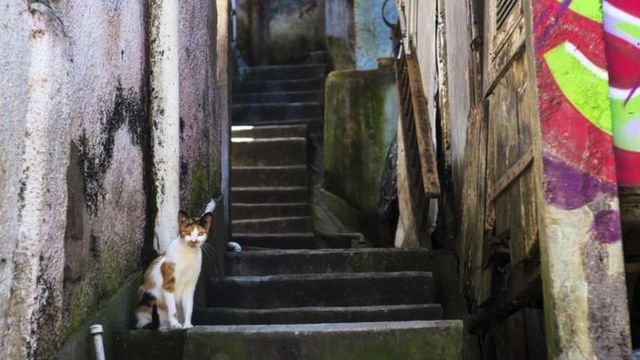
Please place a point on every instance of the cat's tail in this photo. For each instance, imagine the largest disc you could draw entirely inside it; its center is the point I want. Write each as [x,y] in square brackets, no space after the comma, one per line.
[146,314]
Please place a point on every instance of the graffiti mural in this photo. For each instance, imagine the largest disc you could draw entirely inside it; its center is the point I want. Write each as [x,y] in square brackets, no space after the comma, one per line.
[622,36]
[581,214]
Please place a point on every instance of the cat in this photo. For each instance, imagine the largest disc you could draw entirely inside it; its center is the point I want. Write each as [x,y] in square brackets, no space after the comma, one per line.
[170,280]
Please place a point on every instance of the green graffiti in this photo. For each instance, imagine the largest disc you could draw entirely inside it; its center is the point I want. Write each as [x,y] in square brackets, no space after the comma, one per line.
[585,89]
[627,123]
[630,29]
[591,9]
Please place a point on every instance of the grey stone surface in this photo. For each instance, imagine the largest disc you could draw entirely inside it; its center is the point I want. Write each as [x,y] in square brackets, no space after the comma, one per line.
[275,241]
[292,175]
[235,316]
[410,340]
[272,225]
[326,261]
[258,211]
[268,152]
[337,289]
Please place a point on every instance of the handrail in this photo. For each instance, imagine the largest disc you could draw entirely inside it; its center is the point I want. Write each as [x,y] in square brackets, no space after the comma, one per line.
[415,123]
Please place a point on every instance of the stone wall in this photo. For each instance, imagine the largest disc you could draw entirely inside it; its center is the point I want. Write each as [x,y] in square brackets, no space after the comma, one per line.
[288,29]
[75,155]
[361,114]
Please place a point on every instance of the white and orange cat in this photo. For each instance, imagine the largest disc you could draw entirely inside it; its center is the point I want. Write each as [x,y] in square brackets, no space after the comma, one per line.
[170,281]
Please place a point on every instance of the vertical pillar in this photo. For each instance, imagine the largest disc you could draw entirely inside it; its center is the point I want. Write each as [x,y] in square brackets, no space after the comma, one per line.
[582,266]
[165,123]
[260,15]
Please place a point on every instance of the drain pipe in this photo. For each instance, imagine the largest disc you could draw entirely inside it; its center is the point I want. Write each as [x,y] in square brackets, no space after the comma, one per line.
[96,333]
[165,112]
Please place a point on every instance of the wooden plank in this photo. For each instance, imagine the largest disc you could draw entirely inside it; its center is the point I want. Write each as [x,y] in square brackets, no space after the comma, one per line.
[515,171]
[470,199]
[428,163]
[516,286]
[407,234]
[527,103]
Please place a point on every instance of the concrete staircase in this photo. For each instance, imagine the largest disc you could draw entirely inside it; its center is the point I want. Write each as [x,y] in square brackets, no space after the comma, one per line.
[281,298]
[312,304]
[272,112]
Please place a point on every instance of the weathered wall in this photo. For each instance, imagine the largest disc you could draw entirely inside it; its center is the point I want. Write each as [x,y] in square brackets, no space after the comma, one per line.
[73,89]
[204,108]
[74,154]
[361,113]
[621,24]
[340,33]
[372,35]
[581,250]
[284,32]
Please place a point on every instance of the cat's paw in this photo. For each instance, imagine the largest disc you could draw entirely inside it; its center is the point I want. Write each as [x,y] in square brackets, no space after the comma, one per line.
[187,326]
[174,324]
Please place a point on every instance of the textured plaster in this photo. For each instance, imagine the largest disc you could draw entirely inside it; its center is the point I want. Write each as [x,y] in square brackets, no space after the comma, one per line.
[203,101]
[372,35]
[73,66]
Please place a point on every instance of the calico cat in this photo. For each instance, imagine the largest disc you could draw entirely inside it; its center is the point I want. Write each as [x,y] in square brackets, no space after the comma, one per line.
[166,295]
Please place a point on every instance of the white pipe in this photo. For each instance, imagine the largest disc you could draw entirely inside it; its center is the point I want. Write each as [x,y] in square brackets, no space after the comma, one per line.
[165,123]
[96,333]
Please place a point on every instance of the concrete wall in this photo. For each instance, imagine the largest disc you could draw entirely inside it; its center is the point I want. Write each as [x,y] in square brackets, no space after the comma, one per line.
[361,114]
[372,35]
[340,32]
[288,30]
[74,155]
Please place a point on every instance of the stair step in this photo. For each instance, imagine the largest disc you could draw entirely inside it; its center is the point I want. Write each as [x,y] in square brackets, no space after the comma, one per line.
[279,97]
[268,152]
[276,194]
[275,241]
[285,72]
[341,289]
[262,86]
[266,210]
[256,113]
[269,131]
[235,316]
[326,261]
[408,340]
[274,225]
[293,175]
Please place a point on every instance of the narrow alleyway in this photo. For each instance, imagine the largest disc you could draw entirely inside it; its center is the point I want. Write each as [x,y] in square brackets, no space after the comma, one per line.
[282,297]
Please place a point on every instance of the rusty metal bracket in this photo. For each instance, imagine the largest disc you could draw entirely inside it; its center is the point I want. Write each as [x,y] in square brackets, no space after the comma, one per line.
[511,174]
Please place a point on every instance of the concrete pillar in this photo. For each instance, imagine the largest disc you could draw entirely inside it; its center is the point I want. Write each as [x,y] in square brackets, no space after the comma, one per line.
[585,297]
[165,118]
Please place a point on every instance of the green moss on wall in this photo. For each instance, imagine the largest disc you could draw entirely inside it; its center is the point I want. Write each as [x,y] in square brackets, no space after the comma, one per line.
[361,117]
[341,53]
[204,182]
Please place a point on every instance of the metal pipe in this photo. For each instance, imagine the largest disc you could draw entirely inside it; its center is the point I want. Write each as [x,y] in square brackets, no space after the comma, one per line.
[165,122]
[234,26]
[96,332]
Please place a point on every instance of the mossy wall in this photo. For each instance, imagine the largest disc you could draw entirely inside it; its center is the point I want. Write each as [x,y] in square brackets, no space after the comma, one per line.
[340,34]
[361,115]
[295,27]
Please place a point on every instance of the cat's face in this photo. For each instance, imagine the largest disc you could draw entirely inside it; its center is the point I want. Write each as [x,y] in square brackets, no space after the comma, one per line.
[194,231]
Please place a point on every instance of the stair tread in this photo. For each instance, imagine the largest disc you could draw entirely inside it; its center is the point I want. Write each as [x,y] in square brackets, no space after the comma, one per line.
[332,251]
[282,218]
[269,167]
[269,188]
[279,104]
[329,327]
[288,66]
[324,308]
[245,140]
[302,277]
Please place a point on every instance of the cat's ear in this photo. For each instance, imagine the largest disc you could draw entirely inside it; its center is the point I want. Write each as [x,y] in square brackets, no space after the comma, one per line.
[206,220]
[182,216]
